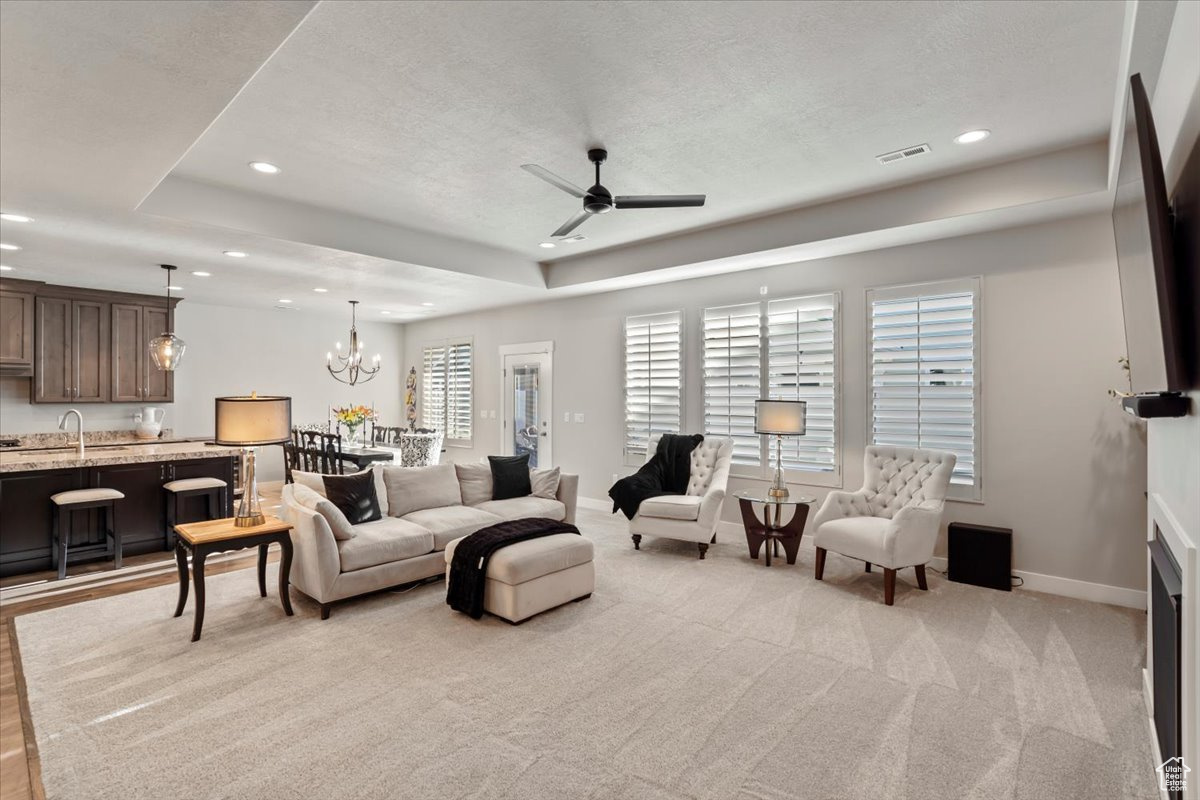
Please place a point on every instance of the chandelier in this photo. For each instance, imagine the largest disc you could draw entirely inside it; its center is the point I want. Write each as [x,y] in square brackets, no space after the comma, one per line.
[166,349]
[350,365]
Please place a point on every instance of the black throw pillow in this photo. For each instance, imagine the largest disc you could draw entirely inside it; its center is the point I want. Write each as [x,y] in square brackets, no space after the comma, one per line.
[510,476]
[354,496]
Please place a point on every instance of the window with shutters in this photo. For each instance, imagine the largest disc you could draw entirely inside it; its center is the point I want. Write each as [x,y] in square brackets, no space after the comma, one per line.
[446,389]
[801,364]
[653,379]
[733,377]
[925,373]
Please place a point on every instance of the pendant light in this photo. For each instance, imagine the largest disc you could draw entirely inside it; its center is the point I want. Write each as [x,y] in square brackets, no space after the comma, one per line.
[167,349]
[351,363]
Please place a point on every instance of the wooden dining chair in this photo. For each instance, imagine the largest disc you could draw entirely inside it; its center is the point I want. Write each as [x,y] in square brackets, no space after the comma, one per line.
[388,436]
[315,451]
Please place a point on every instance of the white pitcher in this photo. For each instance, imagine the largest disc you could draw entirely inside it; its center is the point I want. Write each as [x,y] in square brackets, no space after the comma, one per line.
[148,422]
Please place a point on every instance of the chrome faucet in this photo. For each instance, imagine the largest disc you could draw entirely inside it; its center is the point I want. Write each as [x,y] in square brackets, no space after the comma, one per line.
[62,426]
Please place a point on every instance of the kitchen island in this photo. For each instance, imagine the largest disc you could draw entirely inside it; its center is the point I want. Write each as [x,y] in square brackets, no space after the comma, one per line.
[28,478]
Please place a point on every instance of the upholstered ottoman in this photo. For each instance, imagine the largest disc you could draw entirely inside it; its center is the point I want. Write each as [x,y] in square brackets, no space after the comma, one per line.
[536,575]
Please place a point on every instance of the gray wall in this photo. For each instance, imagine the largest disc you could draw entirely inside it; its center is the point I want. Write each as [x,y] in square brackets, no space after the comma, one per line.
[1062,464]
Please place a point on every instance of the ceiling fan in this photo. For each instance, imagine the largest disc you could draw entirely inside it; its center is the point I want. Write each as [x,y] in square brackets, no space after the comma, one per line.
[598,200]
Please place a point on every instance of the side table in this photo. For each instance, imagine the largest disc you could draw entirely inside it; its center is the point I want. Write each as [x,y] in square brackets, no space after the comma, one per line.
[772,530]
[218,535]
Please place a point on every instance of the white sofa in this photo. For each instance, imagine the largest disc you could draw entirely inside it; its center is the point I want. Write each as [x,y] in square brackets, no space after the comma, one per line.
[423,510]
[893,519]
[692,516]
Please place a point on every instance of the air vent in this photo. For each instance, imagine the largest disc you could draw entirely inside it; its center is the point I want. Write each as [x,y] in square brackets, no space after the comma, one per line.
[900,155]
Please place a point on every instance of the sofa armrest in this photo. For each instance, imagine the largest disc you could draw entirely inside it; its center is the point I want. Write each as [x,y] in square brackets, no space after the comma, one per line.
[839,504]
[568,492]
[316,562]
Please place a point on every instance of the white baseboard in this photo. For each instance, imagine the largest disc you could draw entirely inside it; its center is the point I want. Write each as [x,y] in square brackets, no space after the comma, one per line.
[1034,581]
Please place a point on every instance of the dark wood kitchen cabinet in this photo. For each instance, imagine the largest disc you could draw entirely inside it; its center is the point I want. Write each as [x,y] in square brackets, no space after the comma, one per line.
[71,350]
[141,516]
[16,332]
[134,376]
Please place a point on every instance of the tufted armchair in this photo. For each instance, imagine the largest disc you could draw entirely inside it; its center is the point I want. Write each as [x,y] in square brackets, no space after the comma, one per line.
[693,516]
[893,520]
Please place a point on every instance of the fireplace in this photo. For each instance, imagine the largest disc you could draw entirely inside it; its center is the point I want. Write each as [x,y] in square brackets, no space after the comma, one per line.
[1166,594]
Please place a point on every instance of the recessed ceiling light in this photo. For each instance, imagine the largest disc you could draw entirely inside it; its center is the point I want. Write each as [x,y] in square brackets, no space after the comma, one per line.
[547,245]
[970,137]
[264,167]
[284,300]
[199,274]
[319,289]
[7,246]
[15,218]
[427,305]
[385,312]
[175,288]
[5,268]
[235,253]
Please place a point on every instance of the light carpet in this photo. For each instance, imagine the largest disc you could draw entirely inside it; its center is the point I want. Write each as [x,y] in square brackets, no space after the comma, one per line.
[678,678]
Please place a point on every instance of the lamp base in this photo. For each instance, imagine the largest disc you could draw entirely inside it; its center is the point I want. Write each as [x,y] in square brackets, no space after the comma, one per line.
[778,493]
[250,521]
[249,510]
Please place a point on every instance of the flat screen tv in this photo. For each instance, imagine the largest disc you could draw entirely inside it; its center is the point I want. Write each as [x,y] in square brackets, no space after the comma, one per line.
[1145,255]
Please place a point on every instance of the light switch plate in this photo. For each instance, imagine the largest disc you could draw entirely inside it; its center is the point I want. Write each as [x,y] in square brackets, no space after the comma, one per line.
[492,413]
[483,413]
[579,416]
[566,416]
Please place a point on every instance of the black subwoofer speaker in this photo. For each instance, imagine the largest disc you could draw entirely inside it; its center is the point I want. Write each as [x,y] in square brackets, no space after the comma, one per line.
[980,555]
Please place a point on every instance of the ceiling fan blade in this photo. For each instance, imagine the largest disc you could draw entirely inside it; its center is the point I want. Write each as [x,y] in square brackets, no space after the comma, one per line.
[571,224]
[658,200]
[552,179]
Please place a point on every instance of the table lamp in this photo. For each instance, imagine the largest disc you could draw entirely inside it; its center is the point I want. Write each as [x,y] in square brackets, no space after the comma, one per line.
[248,422]
[779,418]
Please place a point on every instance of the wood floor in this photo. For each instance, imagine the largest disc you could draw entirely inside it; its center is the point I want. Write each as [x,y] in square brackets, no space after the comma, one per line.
[20,770]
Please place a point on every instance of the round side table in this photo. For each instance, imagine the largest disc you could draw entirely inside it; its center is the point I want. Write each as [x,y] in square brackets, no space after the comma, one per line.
[772,530]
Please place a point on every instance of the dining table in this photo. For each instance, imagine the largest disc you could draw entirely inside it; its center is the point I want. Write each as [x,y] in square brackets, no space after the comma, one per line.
[363,456]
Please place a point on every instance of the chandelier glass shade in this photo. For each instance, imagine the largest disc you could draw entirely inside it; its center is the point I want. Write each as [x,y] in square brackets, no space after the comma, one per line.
[167,349]
[350,369]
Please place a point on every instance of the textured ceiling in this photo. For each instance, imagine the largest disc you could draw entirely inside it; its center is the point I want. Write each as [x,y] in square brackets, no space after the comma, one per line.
[421,113]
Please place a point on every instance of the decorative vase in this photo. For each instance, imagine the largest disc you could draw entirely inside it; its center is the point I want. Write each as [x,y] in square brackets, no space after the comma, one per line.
[352,433]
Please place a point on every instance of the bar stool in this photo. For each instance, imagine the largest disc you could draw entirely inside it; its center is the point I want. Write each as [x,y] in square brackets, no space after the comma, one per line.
[80,500]
[214,489]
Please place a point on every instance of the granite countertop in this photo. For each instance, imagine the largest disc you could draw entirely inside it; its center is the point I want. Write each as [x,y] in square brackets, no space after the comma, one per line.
[110,453]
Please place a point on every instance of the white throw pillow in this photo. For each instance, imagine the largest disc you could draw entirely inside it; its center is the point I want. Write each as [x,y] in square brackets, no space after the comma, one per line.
[412,489]
[544,483]
[475,482]
[308,498]
[316,482]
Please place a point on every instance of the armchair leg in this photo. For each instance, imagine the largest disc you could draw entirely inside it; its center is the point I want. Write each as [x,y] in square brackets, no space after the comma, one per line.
[637,541]
[889,586]
[819,572]
[920,568]
[868,566]
[703,549]
[325,610]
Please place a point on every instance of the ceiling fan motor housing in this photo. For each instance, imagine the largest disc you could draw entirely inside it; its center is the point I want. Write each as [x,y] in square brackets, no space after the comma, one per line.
[599,200]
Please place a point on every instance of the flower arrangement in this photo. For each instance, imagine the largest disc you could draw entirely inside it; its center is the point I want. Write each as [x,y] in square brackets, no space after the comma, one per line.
[1118,393]
[353,417]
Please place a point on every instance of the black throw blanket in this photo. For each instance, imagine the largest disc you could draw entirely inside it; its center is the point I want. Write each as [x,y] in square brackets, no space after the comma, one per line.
[468,568]
[666,473]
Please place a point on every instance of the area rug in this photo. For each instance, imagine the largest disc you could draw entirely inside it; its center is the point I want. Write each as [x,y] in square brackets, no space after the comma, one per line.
[678,678]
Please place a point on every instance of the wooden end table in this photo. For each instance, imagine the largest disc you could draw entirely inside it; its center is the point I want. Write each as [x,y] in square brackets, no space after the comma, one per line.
[772,530]
[218,535]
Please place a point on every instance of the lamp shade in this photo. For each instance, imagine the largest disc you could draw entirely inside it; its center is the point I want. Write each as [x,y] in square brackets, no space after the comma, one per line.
[780,417]
[251,421]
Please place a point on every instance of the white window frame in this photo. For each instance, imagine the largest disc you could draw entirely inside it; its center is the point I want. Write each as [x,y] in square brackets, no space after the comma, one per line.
[957,492]
[447,343]
[633,457]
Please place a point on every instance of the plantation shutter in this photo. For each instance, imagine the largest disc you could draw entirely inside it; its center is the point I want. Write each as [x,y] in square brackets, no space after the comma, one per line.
[446,389]
[924,358]
[733,377]
[653,378]
[801,365]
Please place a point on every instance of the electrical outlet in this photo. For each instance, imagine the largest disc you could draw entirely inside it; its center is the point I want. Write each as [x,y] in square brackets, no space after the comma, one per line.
[566,416]
[579,416]
[615,477]
[762,290]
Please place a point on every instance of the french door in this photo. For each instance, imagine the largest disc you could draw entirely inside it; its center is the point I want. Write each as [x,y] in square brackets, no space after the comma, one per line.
[528,413]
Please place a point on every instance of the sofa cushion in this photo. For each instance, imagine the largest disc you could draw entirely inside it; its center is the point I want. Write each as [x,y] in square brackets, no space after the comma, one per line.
[382,542]
[857,537]
[415,488]
[354,496]
[475,482]
[338,524]
[316,482]
[522,507]
[544,482]
[671,506]
[533,558]
[451,522]
[510,476]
